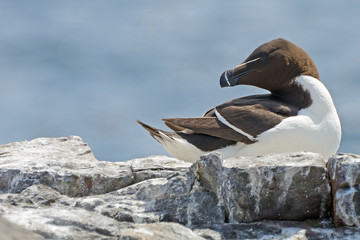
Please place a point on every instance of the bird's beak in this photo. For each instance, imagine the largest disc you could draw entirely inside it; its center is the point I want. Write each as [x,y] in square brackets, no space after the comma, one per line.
[233,76]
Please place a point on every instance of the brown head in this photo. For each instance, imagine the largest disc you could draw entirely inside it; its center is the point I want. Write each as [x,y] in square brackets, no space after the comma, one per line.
[272,66]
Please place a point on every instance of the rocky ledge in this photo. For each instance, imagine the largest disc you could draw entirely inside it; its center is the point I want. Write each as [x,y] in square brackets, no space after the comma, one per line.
[55,188]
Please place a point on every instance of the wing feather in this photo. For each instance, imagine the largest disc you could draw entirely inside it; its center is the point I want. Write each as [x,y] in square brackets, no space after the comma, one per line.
[207,125]
[250,115]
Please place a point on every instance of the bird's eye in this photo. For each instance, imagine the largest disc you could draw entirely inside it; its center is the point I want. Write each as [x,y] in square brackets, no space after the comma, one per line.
[263,57]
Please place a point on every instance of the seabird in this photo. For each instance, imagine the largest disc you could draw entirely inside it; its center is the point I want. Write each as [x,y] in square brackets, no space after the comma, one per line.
[297,115]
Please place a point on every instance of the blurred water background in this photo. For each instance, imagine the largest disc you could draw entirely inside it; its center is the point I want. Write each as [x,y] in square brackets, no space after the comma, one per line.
[91,68]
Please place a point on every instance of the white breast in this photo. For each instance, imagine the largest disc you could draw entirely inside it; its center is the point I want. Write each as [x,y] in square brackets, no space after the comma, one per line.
[315,129]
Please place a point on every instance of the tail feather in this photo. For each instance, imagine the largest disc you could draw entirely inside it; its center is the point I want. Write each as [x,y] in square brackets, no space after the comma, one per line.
[186,145]
[176,145]
[157,134]
[203,142]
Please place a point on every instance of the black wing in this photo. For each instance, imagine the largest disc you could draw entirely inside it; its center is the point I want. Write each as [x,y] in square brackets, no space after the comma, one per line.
[245,118]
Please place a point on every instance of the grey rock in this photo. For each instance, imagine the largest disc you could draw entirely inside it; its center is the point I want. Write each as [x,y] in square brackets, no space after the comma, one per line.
[276,187]
[161,231]
[68,165]
[65,164]
[156,167]
[179,198]
[77,223]
[194,208]
[58,190]
[344,172]
[209,234]
[289,230]
[37,196]
[53,216]
[10,231]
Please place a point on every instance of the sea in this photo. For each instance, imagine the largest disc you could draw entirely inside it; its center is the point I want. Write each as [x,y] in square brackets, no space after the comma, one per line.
[91,68]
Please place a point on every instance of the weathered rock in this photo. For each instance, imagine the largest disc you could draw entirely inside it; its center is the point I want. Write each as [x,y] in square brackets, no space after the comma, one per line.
[54,216]
[68,165]
[179,198]
[60,220]
[161,231]
[289,230]
[57,189]
[76,223]
[65,164]
[344,172]
[156,167]
[276,187]
[10,231]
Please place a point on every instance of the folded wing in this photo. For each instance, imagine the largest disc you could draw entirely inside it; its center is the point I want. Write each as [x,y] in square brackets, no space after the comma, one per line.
[240,120]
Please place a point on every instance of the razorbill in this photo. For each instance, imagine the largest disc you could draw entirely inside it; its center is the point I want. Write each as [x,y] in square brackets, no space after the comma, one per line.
[297,115]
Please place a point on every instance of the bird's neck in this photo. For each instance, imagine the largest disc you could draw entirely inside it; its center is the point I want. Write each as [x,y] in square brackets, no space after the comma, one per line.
[295,95]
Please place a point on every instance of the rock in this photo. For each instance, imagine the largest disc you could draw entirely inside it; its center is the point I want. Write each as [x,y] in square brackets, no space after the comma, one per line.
[159,231]
[156,167]
[10,231]
[276,187]
[65,164]
[68,165]
[178,198]
[344,172]
[54,216]
[58,190]
[37,196]
[77,223]
[289,230]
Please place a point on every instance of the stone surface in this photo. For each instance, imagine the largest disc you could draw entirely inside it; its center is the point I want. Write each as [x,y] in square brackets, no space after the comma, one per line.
[178,198]
[274,187]
[344,172]
[68,165]
[289,230]
[54,216]
[10,231]
[58,190]
[76,223]
[65,164]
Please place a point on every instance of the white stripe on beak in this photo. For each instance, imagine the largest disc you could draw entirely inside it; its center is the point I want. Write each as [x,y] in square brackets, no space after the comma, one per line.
[226,78]
[250,61]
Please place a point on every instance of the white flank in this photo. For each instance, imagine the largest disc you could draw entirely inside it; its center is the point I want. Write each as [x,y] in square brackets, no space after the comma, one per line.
[224,121]
[180,148]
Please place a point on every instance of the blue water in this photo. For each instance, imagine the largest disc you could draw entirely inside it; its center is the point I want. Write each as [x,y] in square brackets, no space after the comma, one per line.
[91,68]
